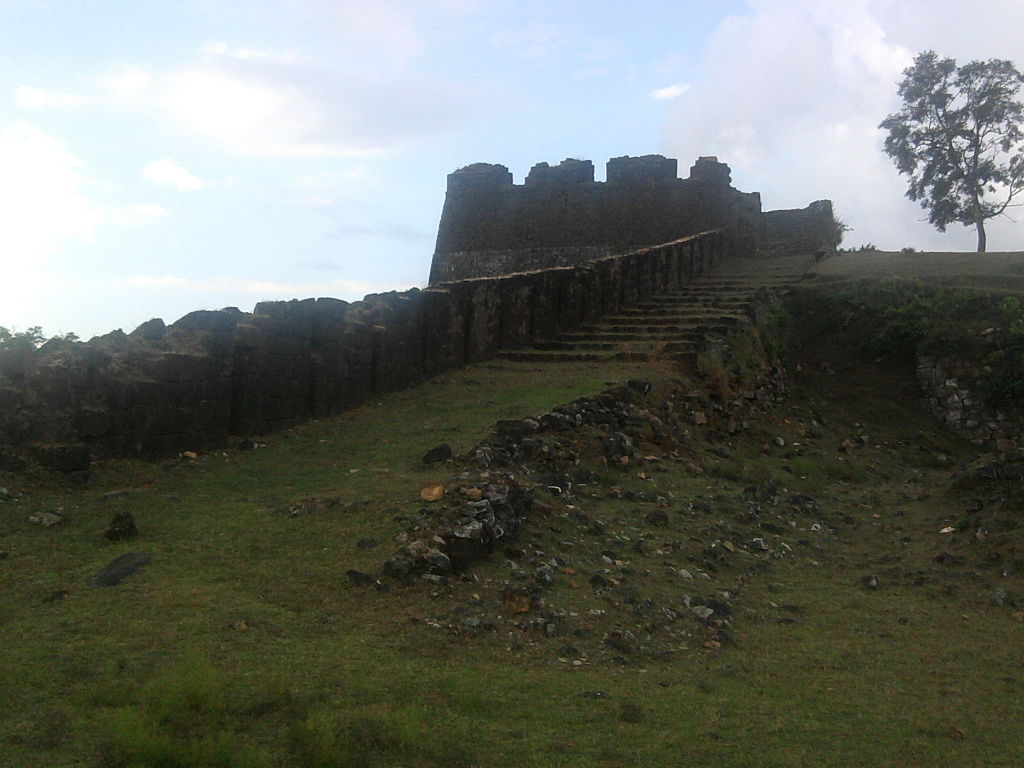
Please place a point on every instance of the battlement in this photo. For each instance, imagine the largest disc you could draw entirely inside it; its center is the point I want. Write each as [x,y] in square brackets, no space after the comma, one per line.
[636,172]
[648,170]
[561,216]
[567,173]
[479,177]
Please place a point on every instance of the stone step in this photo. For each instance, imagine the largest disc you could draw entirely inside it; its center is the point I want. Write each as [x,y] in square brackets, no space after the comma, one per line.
[730,295]
[682,299]
[684,312]
[580,344]
[674,320]
[540,356]
[617,337]
[536,356]
[694,332]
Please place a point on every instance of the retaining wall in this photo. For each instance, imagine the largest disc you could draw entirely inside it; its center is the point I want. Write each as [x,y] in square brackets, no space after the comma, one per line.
[951,391]
[217,374]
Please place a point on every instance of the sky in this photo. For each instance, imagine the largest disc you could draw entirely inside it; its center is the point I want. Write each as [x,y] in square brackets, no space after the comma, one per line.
[158,158]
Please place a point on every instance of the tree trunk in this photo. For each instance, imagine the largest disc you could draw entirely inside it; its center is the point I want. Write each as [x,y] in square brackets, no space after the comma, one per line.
[982,240]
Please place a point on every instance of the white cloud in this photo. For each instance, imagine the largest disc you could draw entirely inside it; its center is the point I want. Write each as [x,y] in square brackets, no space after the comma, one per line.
[167,172]
[43,205]
[670,92]
[796,116]
[277,105]
[40,193]
[219,47]
[44,196]
[129,82]
[135,214]
[40,98]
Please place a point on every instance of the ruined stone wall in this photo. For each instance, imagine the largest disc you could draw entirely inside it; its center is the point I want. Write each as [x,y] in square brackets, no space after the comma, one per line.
[212,375]
[561,217]
[951,391]
[803,230]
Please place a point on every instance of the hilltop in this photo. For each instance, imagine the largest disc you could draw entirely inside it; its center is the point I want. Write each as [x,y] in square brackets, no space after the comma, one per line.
[791,559]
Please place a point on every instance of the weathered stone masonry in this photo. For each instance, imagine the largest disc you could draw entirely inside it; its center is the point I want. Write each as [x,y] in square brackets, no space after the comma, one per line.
[560,216]
[951,391]
[514,265]
[215,374]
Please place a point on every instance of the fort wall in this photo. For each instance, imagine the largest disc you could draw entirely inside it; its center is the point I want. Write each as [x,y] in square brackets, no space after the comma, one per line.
[803,230]
[217,374]
[561,216]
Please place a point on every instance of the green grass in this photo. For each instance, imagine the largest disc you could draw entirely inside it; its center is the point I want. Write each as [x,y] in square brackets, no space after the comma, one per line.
[243,644]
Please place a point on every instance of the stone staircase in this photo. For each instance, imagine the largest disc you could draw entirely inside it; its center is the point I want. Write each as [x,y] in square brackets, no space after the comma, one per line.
[669,327]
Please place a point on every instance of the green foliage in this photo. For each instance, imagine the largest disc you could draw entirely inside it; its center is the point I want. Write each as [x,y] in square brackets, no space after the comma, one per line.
[898,316]
[378,736]
[181,720]
[21,341]
[902,317]
[1003,378]
[17,347]
[958,138]
[841,228]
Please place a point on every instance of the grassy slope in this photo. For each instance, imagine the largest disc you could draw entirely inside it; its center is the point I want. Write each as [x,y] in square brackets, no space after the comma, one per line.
[1003,272]
[243,643]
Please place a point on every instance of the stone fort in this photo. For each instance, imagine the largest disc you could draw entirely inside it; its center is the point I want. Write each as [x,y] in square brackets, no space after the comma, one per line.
[513,265]
[561,216]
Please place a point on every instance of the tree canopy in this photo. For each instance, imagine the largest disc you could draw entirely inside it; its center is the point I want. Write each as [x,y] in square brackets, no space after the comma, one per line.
[958,138]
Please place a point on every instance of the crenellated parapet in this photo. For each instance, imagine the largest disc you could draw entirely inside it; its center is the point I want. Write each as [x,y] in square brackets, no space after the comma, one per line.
[561,216]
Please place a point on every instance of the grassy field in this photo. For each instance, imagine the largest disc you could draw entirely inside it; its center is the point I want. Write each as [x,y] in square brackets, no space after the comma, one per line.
[999,271]
[860,636]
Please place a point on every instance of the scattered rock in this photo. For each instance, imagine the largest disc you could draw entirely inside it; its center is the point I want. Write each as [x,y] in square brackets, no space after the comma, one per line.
[366,544]
[122,527]
[432,492]
[358,578]
[869,582]
[515,600]
[120,568]
[417,558]
[47,519]
[310,505]
[622,641]
[443,452]
[631,713]
[657,517]
[1002,598]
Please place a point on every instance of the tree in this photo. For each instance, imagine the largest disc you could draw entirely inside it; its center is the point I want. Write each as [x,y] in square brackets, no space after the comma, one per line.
[958,137]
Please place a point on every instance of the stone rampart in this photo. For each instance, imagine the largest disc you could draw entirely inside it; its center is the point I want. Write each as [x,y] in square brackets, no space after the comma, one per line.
[560,216]
[802,230]
[216,374]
